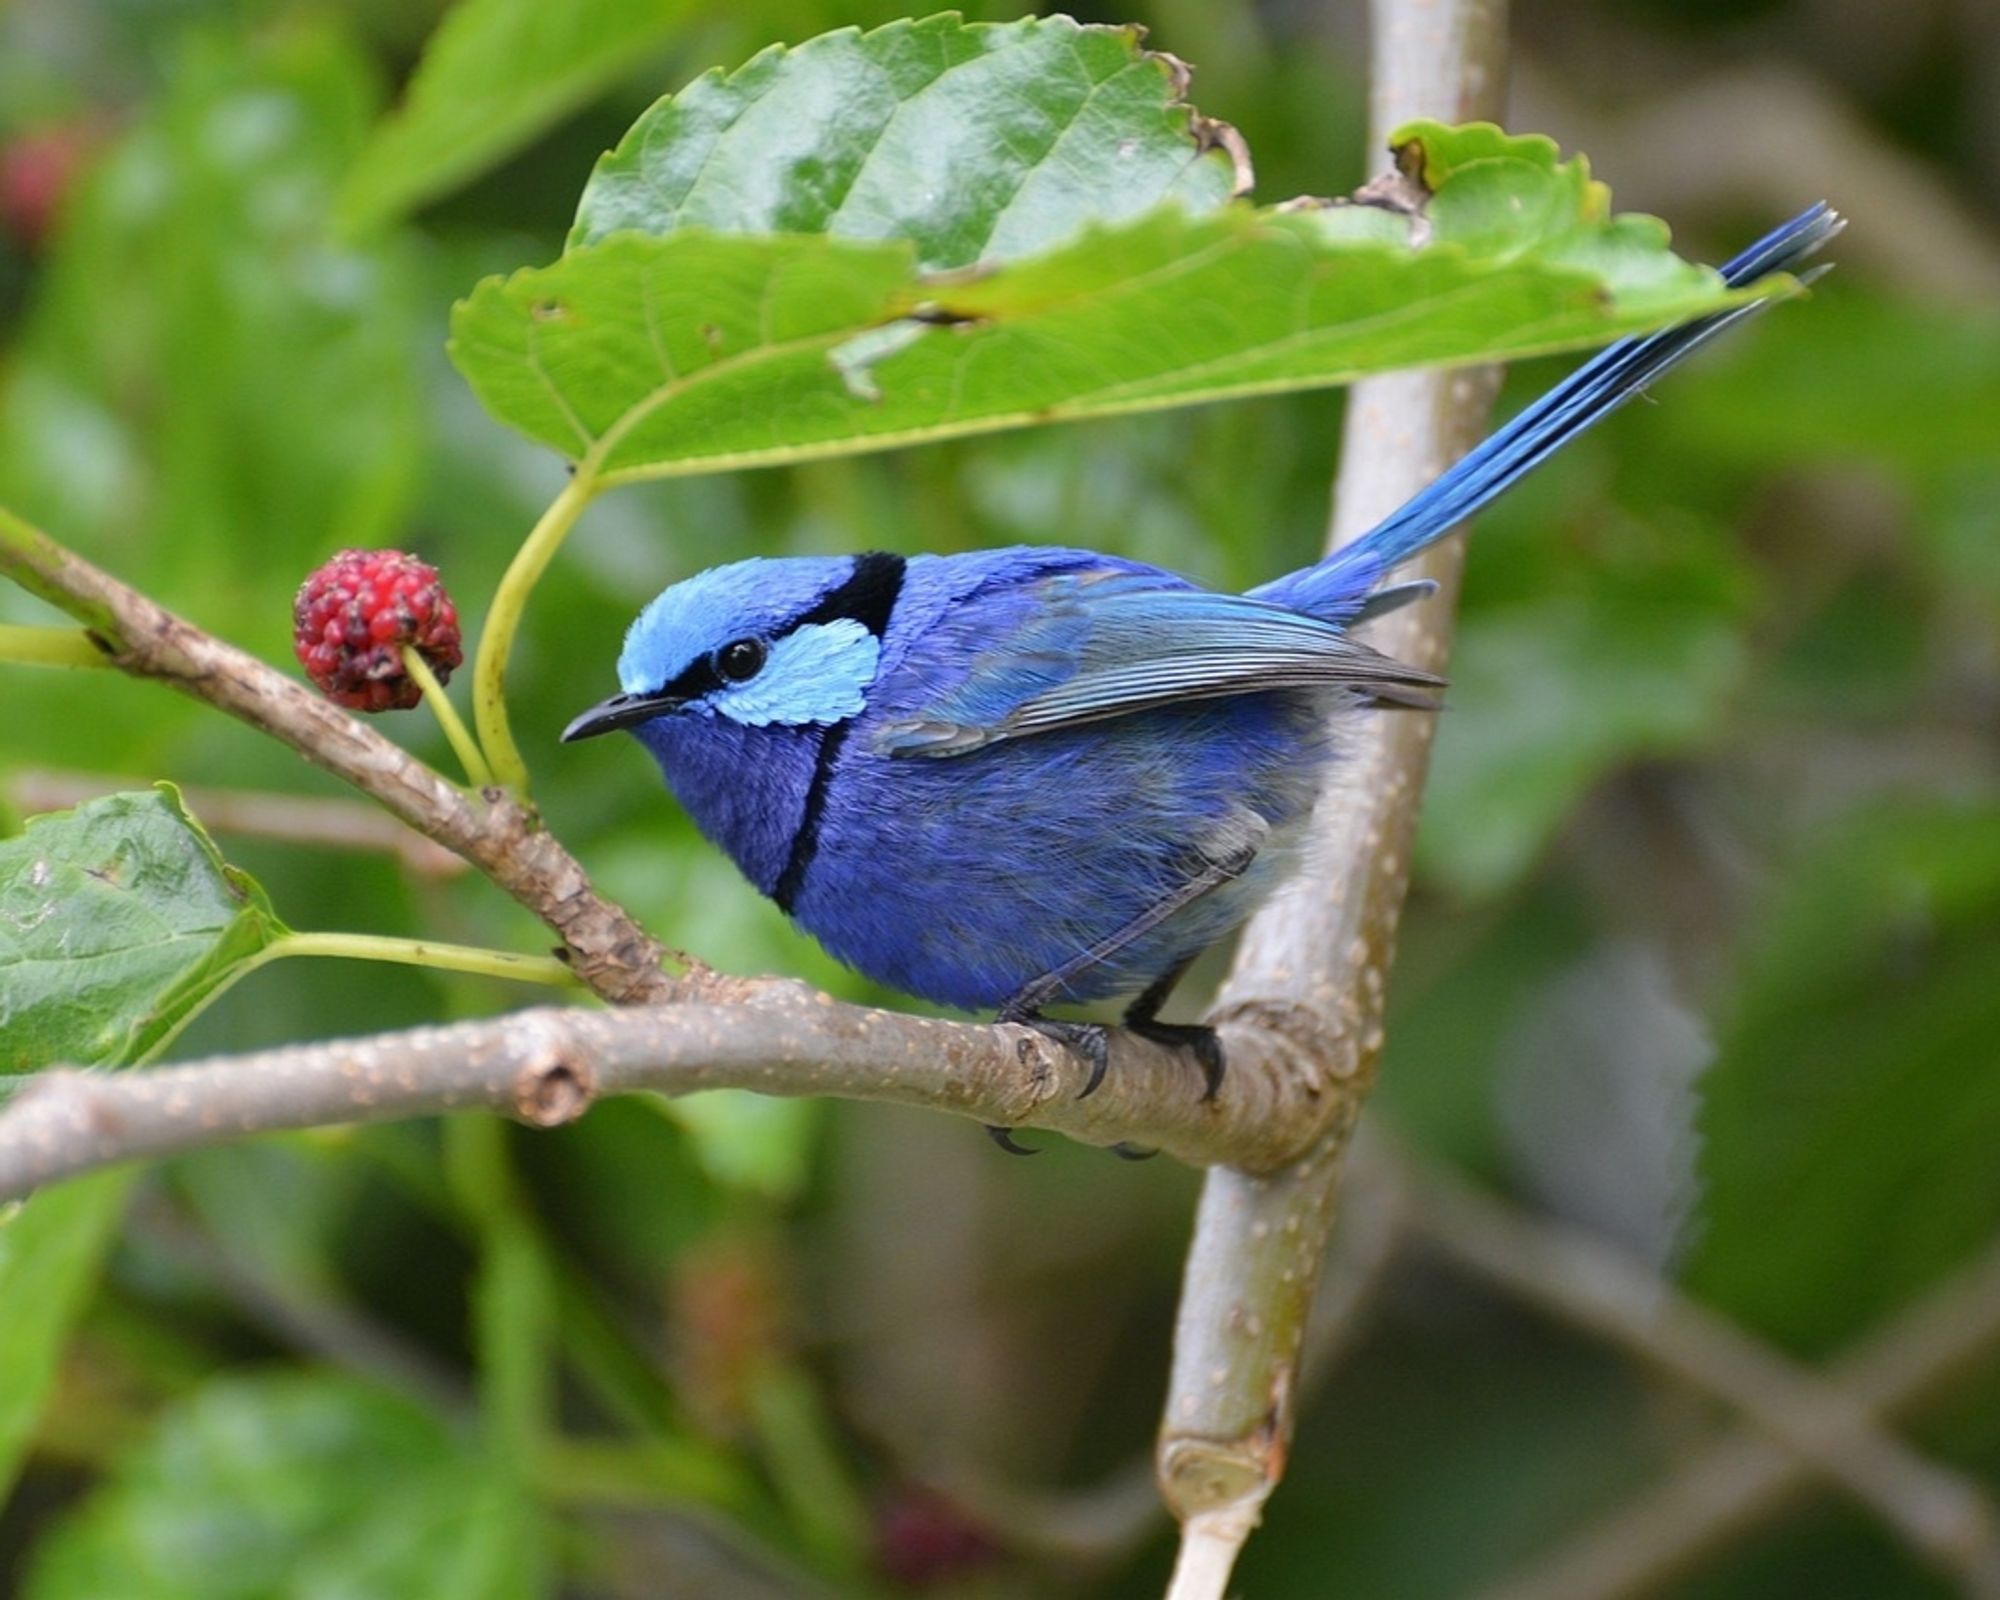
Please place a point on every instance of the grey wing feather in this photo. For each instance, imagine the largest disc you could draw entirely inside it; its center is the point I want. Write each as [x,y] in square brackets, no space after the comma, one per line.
[1214,675]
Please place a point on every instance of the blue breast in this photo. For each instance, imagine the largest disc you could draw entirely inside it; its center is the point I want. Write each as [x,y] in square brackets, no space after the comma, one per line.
[745,787]
[962,881]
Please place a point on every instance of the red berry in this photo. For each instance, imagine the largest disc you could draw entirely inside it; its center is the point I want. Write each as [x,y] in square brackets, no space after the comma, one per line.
[923,1540]
[353,616]
[36,170]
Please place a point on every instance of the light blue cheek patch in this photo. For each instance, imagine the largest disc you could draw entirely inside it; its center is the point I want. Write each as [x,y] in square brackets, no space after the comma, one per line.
[817,673]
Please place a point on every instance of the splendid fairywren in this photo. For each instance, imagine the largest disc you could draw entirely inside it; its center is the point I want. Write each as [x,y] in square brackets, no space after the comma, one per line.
[1010,778]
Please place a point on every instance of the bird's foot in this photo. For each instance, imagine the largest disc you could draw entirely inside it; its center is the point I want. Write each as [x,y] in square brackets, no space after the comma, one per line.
[1199,1041]
[1091,1040]
[1125,1150]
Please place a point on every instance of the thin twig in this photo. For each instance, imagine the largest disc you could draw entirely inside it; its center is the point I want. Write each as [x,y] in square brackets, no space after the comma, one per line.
[1938,1512]
[1321,950]
[251,813]
[611,953]
[1731,1487]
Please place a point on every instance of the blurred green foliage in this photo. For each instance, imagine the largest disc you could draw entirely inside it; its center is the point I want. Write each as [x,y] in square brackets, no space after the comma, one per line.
[1724,713]
[298,1483]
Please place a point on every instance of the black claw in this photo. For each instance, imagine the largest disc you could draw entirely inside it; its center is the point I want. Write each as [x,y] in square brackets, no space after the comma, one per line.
[1208,1052]
[1098,1052]
[1126,1151]
[1004,1138]
[1198,1041]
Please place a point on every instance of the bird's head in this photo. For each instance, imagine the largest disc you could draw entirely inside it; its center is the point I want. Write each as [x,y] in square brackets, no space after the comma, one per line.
[789,642]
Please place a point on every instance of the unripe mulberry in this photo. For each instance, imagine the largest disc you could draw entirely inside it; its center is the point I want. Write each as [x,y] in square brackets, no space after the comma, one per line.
[353,616]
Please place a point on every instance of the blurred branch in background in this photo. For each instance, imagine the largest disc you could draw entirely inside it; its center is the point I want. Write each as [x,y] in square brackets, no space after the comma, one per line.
[1760,136]
[1940,1513]
[309,1318]
[1108,1519]
[288,818]
[1731,1487]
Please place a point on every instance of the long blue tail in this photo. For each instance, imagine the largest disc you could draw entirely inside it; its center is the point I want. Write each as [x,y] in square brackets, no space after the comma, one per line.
[1338,587]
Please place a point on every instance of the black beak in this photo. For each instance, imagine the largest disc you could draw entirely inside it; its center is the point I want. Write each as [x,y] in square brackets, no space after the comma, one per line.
[620,711]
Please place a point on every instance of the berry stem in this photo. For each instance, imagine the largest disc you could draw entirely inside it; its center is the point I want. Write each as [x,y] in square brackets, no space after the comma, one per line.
[49,647]
[421,953]
[477,773]
[496,639]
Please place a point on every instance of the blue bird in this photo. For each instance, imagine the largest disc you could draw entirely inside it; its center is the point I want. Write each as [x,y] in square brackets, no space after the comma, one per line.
[1010,778]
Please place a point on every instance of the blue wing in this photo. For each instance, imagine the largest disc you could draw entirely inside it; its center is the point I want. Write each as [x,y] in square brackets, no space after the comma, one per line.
[1084,647]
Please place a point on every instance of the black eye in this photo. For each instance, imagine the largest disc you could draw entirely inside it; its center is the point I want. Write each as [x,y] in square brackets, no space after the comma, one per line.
[741,660]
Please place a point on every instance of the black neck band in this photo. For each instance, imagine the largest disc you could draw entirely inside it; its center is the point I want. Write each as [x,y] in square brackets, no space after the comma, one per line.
[868,594]
[869,597]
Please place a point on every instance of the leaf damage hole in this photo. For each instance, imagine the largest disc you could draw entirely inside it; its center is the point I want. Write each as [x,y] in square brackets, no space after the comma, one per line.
[1210,133]
[1402,190]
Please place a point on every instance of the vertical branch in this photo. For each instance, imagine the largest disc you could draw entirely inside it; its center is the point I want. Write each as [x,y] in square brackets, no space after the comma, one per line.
[1317,959]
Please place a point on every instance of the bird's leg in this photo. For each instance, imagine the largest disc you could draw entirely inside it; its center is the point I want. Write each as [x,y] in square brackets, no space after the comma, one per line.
[1198,1039]
[1091,1039]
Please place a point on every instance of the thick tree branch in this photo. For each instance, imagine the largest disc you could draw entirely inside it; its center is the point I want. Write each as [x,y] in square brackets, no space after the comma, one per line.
[1280,1092]
[547,1066]
[1323,947]
[609,951]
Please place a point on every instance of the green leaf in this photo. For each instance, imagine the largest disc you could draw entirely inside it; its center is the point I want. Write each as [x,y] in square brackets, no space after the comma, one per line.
[653,357]
[1852,1115]
[975,141]
[495,74]
[118,920]
[50,1251]
[301,1487]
